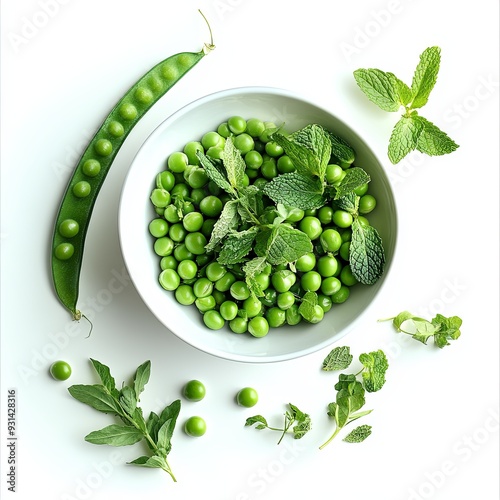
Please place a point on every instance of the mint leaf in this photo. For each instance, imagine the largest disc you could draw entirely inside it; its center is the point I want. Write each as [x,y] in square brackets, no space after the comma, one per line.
[304,159]
[316,139]
[296,190]
[404,138]
[448,329]
[145,461]
[366,253]
[342,153]
[141,378]
[215,172]
[257,419]
[358,434]
[308,305]
[252,269]
[234,164]
[425,76]
[237,246]
[349,203]
[105,375]
[153,462]
[115,435]
[251,203]
[433,141]
[375,365]
[339,358]
[400,319]
[228,221]
[403,91]
[282,244]
[97,397]
[302,420]
[354,178]
[350,397]
[128,399]
[380,87]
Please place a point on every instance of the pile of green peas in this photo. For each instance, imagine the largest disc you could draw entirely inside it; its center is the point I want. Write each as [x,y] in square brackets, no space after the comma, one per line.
[187,204]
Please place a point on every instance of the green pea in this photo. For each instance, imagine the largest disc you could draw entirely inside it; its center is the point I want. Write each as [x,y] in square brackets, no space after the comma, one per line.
[64,251]
[81,189]
[191,149]
[128,111]
[163,246]
[155,84]
[169,279]
[194,390]
[228,310]
[116,129]
[203,287]
[258,326]
[195,426]
[223,130]
[293,316]
[237,124]
[205,304]
[213,320]
[160,198]
[276,317]
[247,397]
[184,295]
[60,370]
[91,168]
[143,95]
[238,325]
[103,147]
[168,262]
[169,72]
[69,228]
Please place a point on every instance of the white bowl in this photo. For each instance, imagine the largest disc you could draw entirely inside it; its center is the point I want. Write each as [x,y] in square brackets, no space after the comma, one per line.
[136,211]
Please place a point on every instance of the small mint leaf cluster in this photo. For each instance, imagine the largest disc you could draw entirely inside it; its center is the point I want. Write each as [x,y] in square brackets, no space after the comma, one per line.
[412,131]
[351,389]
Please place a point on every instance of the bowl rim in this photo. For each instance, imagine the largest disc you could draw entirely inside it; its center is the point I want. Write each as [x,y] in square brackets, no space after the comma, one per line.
[282,92]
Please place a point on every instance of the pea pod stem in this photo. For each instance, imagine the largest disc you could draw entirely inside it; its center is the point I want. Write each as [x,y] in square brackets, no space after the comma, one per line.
[78,201]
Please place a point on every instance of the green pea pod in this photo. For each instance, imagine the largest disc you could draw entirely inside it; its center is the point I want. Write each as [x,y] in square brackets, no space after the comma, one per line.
[80,196]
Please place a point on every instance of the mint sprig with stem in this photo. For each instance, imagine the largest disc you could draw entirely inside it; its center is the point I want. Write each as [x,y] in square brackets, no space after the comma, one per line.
[388,92]
[156,430]
[292,416]
[440,328]
[351,389]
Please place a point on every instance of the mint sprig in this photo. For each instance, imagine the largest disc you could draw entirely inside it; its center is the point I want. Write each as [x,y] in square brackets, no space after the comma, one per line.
[156,430]
[292,416]
[440,329]
[351,390]
[412,131]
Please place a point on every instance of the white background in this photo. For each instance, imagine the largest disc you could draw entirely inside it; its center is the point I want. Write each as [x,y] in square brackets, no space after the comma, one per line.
[435,423]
